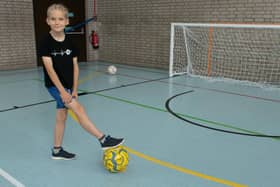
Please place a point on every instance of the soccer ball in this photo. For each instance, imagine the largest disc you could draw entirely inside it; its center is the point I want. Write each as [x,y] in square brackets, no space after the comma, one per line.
[112,70]
[115,159]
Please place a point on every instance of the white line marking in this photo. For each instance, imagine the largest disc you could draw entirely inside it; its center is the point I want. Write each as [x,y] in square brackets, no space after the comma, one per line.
[11,179]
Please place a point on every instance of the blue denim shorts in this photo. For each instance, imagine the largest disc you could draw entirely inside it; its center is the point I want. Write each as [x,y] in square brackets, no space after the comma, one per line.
[56,95]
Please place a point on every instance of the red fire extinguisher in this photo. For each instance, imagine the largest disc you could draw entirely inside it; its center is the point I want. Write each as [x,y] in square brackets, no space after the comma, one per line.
[94,40]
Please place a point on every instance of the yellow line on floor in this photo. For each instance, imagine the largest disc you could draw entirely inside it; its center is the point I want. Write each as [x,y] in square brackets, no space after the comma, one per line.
[174,167]
[84,79]
[73,116]
[184,170]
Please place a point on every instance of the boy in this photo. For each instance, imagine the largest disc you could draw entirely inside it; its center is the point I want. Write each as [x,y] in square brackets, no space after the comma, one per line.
[61,72]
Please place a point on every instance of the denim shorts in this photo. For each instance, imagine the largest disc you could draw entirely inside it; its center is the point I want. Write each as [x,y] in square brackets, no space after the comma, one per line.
[56,95]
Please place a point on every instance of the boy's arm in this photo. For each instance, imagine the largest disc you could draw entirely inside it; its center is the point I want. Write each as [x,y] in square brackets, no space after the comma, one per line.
[76,77]
[65,96]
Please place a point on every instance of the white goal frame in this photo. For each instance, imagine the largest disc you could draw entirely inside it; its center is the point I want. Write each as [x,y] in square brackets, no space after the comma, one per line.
[188,70]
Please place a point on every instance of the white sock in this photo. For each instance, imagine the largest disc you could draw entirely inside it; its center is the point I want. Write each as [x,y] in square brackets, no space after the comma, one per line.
[102,139]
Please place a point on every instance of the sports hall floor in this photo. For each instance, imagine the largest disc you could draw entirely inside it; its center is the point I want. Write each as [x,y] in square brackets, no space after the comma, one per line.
[188,140]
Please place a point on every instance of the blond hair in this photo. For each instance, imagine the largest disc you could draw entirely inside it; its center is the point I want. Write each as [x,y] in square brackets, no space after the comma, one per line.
[60,7]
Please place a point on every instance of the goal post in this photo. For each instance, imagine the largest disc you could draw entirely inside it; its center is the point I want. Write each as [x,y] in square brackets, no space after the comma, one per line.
[245,52]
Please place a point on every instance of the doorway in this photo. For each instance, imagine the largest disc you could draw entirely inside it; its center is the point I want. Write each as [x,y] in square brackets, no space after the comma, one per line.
[76,16]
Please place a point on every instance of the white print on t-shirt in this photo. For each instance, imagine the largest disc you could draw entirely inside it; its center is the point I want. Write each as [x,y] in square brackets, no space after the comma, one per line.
[61,52]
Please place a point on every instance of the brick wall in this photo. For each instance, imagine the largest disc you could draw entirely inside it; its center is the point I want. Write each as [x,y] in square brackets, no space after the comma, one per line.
[131,31]
[17,38]
[137,31]
[92,54]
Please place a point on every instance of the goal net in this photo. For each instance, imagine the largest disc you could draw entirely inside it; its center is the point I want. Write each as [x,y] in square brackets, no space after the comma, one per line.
[243,52]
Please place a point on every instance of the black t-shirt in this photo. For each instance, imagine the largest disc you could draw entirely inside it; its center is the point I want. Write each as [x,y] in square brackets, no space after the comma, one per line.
[62,54]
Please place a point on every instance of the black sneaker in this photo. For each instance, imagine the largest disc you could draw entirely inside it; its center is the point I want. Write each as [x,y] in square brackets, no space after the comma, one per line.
[111,142]
[63,155]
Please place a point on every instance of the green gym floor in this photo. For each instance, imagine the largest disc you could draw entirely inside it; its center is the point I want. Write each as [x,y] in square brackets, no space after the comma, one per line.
[179,132]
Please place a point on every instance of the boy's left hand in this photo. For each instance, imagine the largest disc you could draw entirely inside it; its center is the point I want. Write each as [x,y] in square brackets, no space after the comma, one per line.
[75,94]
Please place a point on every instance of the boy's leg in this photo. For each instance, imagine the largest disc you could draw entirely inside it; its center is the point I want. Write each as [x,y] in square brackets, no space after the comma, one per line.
[84,121]
[61,116]
[58,152]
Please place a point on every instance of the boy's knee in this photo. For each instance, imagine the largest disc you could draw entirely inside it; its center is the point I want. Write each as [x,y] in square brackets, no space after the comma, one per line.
[75,106]
[61,119]
[61,115]
[80,109]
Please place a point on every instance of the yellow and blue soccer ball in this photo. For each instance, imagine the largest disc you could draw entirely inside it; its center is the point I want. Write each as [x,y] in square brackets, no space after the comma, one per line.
[115,159]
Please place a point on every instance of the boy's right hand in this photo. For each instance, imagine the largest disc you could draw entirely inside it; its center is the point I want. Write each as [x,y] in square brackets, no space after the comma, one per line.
[66,97]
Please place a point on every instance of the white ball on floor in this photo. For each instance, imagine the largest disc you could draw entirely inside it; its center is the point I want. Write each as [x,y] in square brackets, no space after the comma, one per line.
[112,70]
